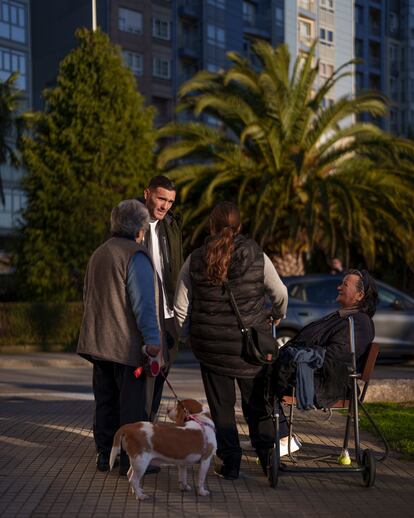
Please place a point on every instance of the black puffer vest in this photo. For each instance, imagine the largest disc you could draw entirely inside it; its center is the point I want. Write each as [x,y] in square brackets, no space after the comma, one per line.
[215,335]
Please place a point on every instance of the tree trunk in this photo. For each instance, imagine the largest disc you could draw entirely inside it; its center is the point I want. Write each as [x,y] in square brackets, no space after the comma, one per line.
[289,264]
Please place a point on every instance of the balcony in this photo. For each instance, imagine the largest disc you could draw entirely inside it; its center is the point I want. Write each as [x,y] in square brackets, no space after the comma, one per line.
[308,5]
[187,53]
[254,31]
[188,12]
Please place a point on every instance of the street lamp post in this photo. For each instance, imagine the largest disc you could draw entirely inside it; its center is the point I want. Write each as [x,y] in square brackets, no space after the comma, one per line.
[94,24]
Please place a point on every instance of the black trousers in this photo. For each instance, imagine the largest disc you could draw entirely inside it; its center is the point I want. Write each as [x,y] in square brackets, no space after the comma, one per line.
[119,399]
[257,408]
[171,344]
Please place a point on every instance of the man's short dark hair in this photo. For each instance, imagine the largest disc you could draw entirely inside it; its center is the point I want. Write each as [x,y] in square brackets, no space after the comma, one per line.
[161,181]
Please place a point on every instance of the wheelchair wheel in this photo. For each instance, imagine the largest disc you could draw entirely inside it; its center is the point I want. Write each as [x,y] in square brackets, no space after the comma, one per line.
[273,467]
[369,463]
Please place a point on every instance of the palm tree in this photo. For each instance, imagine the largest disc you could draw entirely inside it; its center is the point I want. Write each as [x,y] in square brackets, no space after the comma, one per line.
[305,175]
[10,123]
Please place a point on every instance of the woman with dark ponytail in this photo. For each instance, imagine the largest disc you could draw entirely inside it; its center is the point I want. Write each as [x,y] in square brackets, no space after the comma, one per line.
[205,317]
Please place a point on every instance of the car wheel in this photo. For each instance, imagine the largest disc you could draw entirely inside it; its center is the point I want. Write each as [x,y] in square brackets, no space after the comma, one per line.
[283,336]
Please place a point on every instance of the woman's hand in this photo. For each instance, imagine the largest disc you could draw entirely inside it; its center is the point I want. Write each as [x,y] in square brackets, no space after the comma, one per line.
[152,350]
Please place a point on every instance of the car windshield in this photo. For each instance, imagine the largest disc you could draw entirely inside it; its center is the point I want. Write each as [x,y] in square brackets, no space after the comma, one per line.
[325,291]
[316,292]
[389,298]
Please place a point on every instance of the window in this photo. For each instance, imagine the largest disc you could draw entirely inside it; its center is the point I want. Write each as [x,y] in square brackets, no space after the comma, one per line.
[327,102]
[13,21]
[307,4]
[388,298]
[217,3]
[327,4]
[359,14]
[359,81]
[249,13]
[161,67]
[161,29]
[133,61]
[13,61]
[212,67]
[394,88]
[15,201]
[393,53]
[326,37]
[129,21]
[305,29]
[375,21]
[279,16]
[216,36]
[374,54]
[394,22]
[374,82]
[359,48]
[326,69]
[315,292]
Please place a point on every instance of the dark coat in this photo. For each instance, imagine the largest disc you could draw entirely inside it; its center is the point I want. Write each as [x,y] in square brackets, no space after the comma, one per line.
[215,335]
[331,333]
[172,253]
[171,249]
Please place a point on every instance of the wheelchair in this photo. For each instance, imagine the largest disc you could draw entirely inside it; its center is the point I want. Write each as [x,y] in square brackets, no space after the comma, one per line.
[364,462]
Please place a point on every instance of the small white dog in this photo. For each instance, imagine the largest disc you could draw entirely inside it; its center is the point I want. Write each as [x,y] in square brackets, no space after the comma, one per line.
[189,440]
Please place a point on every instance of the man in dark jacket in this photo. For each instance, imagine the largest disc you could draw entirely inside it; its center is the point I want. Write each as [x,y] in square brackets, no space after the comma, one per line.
[120,316]
[164,242]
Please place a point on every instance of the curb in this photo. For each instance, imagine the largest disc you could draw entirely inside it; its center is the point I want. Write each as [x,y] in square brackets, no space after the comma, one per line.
[67,360]
[382,390]
[390,390]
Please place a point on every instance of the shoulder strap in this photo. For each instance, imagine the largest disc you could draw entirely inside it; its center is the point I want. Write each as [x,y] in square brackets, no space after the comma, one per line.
[233,303]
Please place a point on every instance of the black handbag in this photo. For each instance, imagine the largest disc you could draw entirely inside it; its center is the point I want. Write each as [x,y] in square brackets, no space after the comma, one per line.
[259,347]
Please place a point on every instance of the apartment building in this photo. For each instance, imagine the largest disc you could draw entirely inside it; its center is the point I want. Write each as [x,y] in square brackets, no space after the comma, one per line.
[15,56]
[142,28]
[384,41]
[165,42]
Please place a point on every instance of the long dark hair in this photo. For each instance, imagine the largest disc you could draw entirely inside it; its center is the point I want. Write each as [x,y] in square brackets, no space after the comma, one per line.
[368,287]
[224,226]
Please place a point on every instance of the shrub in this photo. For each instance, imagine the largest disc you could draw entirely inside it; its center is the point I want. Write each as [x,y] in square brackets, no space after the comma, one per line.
[42,324]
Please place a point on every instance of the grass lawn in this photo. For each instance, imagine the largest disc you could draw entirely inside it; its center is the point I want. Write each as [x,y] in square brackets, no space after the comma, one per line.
[396,421]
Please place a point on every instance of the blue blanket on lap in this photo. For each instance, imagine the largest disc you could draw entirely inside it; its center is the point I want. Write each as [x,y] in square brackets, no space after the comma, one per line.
[307,359]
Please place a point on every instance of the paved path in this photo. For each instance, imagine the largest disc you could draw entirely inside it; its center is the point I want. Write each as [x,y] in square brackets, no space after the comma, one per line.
[47,462]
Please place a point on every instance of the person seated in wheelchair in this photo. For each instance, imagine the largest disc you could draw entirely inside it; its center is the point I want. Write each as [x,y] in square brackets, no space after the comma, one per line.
[316,361]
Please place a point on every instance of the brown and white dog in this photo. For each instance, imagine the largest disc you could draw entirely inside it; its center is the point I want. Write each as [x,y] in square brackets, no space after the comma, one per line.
[189,440]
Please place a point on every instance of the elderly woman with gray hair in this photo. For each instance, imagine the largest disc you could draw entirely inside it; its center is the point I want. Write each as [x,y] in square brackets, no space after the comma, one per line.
[324,346]
[120,326]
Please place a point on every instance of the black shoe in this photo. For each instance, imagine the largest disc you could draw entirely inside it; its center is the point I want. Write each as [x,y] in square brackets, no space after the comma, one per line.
[228,472]
[123,470]
[152,469]
[102,461]
[264,458]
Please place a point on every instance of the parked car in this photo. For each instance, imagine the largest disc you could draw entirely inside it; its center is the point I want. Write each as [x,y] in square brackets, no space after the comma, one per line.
[313,296]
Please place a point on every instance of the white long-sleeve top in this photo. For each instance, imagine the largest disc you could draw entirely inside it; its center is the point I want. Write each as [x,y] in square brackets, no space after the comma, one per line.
[274,288]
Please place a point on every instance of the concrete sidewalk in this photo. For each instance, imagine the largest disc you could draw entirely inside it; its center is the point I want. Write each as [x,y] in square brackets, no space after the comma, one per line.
[47,463]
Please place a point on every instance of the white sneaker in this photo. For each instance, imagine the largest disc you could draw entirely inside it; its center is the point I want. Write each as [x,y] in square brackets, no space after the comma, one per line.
[295,445]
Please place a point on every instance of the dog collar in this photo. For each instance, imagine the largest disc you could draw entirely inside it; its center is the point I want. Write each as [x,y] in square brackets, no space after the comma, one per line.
[192,417]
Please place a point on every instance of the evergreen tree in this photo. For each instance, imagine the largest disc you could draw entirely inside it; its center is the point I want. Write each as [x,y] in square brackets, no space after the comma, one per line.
[89,149]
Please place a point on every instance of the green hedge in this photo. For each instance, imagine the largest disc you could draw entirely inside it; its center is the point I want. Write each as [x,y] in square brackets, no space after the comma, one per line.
[40,324]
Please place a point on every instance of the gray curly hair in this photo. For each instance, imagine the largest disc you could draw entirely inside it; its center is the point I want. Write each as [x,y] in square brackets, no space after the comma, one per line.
[128,218]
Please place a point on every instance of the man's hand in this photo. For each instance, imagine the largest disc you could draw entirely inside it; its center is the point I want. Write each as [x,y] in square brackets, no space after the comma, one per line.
[277,322]
[152,350]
